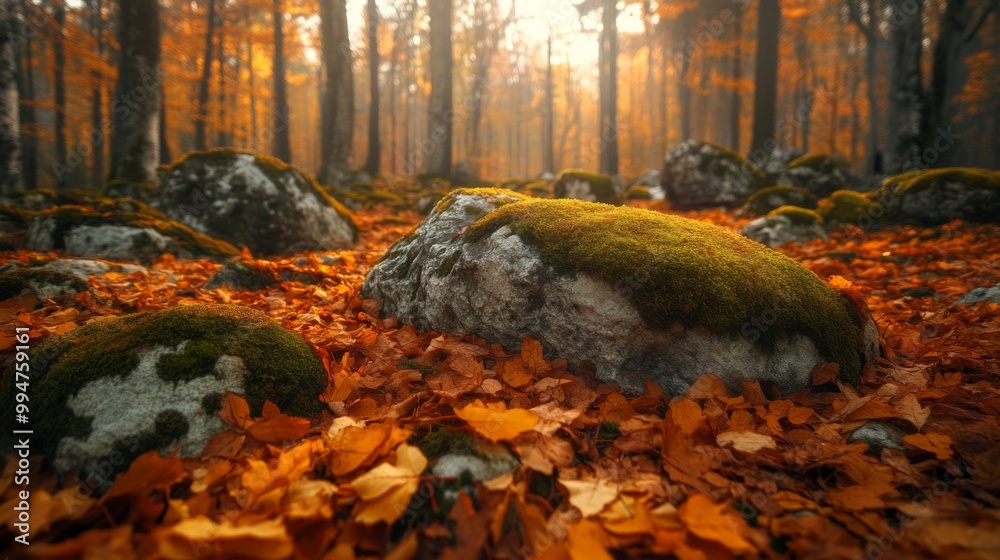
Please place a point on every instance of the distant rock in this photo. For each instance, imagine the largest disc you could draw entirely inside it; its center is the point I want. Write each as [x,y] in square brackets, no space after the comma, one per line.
[705,175]
[116,388]
[821,174]
[770,198]
[253,201]
[938,196]
[586,185]
[878,436]
[849,207]
[39,283]
[776,163]
[639,294]
[977,295]
[785,225]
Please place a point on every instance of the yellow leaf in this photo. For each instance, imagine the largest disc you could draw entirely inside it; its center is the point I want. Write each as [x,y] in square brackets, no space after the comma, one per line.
[200,537]
[746,442]
[910,409]
[497,425]
[588,541]
[590,496]
[686,414]
[385,491]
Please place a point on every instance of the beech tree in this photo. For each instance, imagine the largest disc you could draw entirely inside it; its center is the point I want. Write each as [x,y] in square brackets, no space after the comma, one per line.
[338,100]
[10,125]
[440,118]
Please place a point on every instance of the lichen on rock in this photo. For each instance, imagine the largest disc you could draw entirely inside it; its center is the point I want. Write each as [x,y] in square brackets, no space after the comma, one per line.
[587,185]
[639,294]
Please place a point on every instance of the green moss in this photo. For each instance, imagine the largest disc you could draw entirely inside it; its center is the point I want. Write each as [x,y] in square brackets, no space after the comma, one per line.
[441,441]
[725,153]
[280,366]
[14,283]
[814,161]
[273,168]
[683,271]
[638,192]
[601,186]
[760,203]
[798,216]
[169,426]
[498,196]
[538,189]
[447,264]
[212,403]
[915,181]
[844,206]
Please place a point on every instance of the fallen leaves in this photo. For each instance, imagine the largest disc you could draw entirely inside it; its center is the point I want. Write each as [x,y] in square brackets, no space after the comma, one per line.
[385,491]
[495,422]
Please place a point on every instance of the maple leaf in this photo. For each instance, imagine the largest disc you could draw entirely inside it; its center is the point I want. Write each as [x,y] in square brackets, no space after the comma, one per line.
[590,496]
[497,423]
[148,472]
[386,490]
[714,522]
[938,444]
[277,427]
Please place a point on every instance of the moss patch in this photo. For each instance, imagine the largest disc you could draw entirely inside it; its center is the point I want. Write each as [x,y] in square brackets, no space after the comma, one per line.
[13,284]
[815,161]
[915,181]
[845,207]
[760,202]
[798,216]
[638,192]
[601,186]
[496,195]
[724,153]
[280,366]
[676,270]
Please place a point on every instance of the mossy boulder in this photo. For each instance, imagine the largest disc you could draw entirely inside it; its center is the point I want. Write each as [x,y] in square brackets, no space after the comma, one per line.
[786,224]
[254,201]
[848,207]
[587,185]
[937,196]
[769,198]
[821,174]
[705,175]
[40,283]
[638,192]
[639,294]
[118,387]
[122,229]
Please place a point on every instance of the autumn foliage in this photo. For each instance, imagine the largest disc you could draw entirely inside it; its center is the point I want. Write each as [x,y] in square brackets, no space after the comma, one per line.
[706,474]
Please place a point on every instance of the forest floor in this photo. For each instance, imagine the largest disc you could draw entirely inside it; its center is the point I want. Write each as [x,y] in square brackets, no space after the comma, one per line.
[707,474]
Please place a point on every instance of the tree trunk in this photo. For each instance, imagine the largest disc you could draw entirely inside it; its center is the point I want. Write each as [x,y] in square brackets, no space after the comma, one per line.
[609,89]
[282,148]
[765,80]
[374,155]
[26,93]
[165,157]
[548,115]
[903,145]
[736,101]
[97,96]
[10,119]
[59,56]
[135,143]
[437,156]
[684,21]
[201,113]
[955,30]
[338,108]
[221,133]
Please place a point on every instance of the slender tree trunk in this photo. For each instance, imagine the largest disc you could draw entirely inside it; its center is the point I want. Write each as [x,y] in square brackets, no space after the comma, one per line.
[684,21]
[337,119]
[437,157]
[766,79]
[201,113]
[906,94]
[221,133]
[609,90]
[165,157]
[251,80]
[135,140]
[26,93]
[548,115]
[736,101]
[374,142]
[59,57]
[279,127]
[97,95]
[10,118]
[956,28]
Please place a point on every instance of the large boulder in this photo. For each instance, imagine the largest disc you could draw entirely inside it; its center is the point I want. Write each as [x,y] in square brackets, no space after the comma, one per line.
[937,196]
[587,185]
[118,387]
[820,174]
[253,201]
[704,175]
[639,294]
[849,207]
[767,199]
[120,229]
[784,225]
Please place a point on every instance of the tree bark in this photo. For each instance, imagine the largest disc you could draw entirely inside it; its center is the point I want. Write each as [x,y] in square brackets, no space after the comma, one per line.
[437,155]
[59,57]
[282,148]
[374,142]
[28,116]
[609,89]
[97,95]
[736,101]
[906,94]
[548,115]
[201,113]
[135,142]
[10,119]
[766,80]
[222,133]
[338,108]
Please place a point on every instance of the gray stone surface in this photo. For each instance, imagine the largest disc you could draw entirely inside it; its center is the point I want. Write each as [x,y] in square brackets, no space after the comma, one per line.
[704,175]
[775,231]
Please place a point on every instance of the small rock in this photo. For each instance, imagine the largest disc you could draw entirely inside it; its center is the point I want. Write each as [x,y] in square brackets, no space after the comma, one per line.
[786,225]
[878,436]
[977,295]
[40,283]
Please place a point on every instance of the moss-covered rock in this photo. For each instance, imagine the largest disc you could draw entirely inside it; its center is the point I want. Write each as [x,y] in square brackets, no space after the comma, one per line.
[254,201]
[821,174]
[786,224]
[937,196]
[586,185]
[121,385]
[40,283]
[769,198]
[703,175]
[639,294]
[638,192]
[846,207]
[121,229]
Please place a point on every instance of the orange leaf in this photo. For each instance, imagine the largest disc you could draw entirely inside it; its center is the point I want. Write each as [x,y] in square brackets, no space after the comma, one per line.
[497,425]
[235,411]
[686,414]
[799,415]
[938,444]
[279,428]
[714,522]
[531,353]
[149,471]
[514,373]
